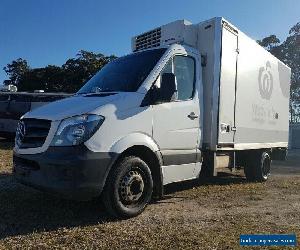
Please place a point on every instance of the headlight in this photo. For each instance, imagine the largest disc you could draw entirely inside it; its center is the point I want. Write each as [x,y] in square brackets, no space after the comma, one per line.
[76,130]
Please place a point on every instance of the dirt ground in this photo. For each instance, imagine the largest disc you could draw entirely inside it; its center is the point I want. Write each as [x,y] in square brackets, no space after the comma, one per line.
[193,215]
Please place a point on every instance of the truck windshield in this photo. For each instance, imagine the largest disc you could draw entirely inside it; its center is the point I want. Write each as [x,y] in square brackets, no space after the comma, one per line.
[124,74]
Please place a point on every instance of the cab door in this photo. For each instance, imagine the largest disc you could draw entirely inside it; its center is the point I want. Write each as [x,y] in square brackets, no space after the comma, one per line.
[176,123]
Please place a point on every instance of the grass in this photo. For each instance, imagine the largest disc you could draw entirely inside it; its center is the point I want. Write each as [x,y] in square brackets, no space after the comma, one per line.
[192,215]
[5,156]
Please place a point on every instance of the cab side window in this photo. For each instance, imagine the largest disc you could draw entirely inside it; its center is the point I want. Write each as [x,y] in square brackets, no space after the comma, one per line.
[184,70]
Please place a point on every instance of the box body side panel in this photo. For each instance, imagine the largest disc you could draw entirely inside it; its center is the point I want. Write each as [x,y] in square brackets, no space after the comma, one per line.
[262,97]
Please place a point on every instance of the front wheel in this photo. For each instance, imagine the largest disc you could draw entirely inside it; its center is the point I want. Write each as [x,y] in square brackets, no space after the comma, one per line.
[258,166]
[129,188]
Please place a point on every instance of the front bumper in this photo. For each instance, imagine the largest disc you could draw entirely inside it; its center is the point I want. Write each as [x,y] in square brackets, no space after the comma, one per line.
[71,172]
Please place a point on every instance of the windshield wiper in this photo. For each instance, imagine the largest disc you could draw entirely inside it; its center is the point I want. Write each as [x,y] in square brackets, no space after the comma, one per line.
[95,92]
[102,93]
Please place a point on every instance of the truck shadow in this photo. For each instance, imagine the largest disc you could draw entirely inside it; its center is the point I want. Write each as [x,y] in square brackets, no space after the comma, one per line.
[24,210]
[222,179]
[225,179]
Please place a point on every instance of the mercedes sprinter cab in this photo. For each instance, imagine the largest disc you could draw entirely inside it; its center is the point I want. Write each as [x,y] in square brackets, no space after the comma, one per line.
[158,116]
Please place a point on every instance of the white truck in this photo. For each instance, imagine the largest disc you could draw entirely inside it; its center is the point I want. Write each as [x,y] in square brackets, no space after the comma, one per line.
[190,100]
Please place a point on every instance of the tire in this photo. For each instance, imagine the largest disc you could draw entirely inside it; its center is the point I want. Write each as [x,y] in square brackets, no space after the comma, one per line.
[258,167]
[128,189]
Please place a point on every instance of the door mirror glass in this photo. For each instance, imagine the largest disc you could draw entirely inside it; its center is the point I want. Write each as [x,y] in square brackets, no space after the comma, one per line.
[167,87]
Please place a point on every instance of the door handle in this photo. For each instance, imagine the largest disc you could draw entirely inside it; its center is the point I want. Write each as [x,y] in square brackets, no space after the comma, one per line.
[192,116]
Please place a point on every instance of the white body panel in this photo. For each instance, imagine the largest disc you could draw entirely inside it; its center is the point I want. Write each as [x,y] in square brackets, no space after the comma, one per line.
[263,94]
[182,134]
[183,172]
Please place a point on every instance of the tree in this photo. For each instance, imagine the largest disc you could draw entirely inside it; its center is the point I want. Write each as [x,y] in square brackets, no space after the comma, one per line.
[295,30]
[80,69]
[67,78]
[50,79]
[15,70]
[269,42]
[291,56]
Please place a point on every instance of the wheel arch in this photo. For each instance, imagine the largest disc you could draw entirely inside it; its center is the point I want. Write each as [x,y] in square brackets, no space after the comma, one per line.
[144,147]
[134,139]
[153,160]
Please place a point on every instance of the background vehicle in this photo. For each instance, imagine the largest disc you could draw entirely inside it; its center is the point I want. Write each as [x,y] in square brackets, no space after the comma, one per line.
[15,104]
[8,88]
[190,100]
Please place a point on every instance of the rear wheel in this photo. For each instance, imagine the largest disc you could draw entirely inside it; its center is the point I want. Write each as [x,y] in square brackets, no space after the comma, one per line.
[258,166]
[129,188]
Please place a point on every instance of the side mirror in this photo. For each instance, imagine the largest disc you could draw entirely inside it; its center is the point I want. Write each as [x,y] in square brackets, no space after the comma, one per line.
[167,87]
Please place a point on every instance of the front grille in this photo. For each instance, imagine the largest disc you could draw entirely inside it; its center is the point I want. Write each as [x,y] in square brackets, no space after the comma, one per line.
[148,40]
[32,133]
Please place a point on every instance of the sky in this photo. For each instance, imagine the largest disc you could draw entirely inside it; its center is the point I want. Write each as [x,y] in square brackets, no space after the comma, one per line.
[51,31]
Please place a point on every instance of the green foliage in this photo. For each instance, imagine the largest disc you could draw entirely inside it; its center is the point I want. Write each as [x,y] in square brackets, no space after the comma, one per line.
[49,78]
[15,70]
[80,69]
[67,78]
[295,30]
[269,42]
[289,53]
